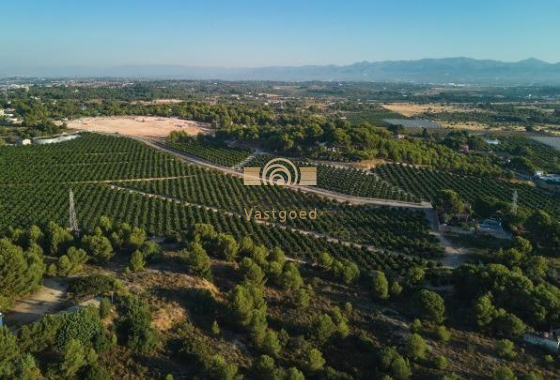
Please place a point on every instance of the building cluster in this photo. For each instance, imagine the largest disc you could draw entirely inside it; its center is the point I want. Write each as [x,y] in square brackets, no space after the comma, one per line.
[8,115]
[48,140]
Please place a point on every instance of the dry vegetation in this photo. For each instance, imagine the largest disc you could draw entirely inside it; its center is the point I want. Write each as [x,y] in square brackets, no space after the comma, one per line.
[150,127]
[413,109]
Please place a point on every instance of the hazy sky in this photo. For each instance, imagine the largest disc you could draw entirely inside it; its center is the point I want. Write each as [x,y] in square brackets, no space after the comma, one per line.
[282,32]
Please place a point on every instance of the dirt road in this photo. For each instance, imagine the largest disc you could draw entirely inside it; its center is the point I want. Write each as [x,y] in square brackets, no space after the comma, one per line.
[305,189]
[50,298]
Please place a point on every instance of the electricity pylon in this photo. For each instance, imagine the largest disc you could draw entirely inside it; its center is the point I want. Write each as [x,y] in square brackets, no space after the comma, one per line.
[73,219]
[514,203]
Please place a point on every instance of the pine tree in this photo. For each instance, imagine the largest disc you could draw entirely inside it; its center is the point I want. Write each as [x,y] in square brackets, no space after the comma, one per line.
[137,262]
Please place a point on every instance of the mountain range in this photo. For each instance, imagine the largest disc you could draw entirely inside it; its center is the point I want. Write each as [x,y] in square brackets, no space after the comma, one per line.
[430,70]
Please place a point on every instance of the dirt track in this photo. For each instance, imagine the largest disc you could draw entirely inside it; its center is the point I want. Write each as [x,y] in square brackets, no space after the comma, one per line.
[50,298]
[305,189]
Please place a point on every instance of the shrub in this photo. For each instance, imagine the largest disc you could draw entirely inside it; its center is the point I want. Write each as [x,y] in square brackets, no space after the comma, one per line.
[379,286]
[443,334]
[505,349]
[314,360]
[504,373]
[94,284]
[440,362]
[323,328]
[134,325]
[105,307]
[416,347]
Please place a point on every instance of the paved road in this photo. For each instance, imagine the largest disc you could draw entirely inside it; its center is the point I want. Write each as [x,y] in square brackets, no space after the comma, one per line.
[325,193]
[454,256]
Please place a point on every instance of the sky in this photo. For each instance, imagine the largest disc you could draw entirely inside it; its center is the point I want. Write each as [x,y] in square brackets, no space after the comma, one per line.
[240,33]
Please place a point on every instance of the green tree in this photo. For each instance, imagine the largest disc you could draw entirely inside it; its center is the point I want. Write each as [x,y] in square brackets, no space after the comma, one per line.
[151,250]
[294,374]
[508,324]
[291,278]
[302,298]
[74,358]
[346,270]
[484,310]
[9,351]
[323,327]
[96,372]
[20,272]
[216,329]
[506,349]
[440,362]
[532,376]
[416,326]
[396,289]
[135,238]
[443,334]
[325,260]
[253,273]
[219,369]
[314,360]
[72,262]
[380,286]
[134,325]
[271,344]
[448,203]
[264,368]
[137,262]
[416,347]
[504,373]
[400,369]
[26,368]
[105,307]
[430,305]
[224,246]
[57,238]
[198,261]
[99,247]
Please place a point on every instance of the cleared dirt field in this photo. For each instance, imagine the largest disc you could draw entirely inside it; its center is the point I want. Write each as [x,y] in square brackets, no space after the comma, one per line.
[412,109]
[140,126]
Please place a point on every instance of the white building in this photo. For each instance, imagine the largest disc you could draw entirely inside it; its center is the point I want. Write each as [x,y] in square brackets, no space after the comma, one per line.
[492,141]
[53,140]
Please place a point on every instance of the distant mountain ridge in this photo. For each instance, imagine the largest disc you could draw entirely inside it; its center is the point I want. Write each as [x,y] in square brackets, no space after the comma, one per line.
[428,70]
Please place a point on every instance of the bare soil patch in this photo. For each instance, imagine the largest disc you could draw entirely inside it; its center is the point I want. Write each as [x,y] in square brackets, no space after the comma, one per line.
[412,109]
[150,127]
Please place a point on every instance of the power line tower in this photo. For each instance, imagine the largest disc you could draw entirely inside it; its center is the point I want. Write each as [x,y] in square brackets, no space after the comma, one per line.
[514,203]
[72,211]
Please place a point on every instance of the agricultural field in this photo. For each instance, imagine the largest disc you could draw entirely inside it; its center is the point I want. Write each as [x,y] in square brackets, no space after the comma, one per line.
[542,154]
[425,183]
[162,194]
[349,181]
[182,284]
[414,123]
[213,152]
[377,226]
